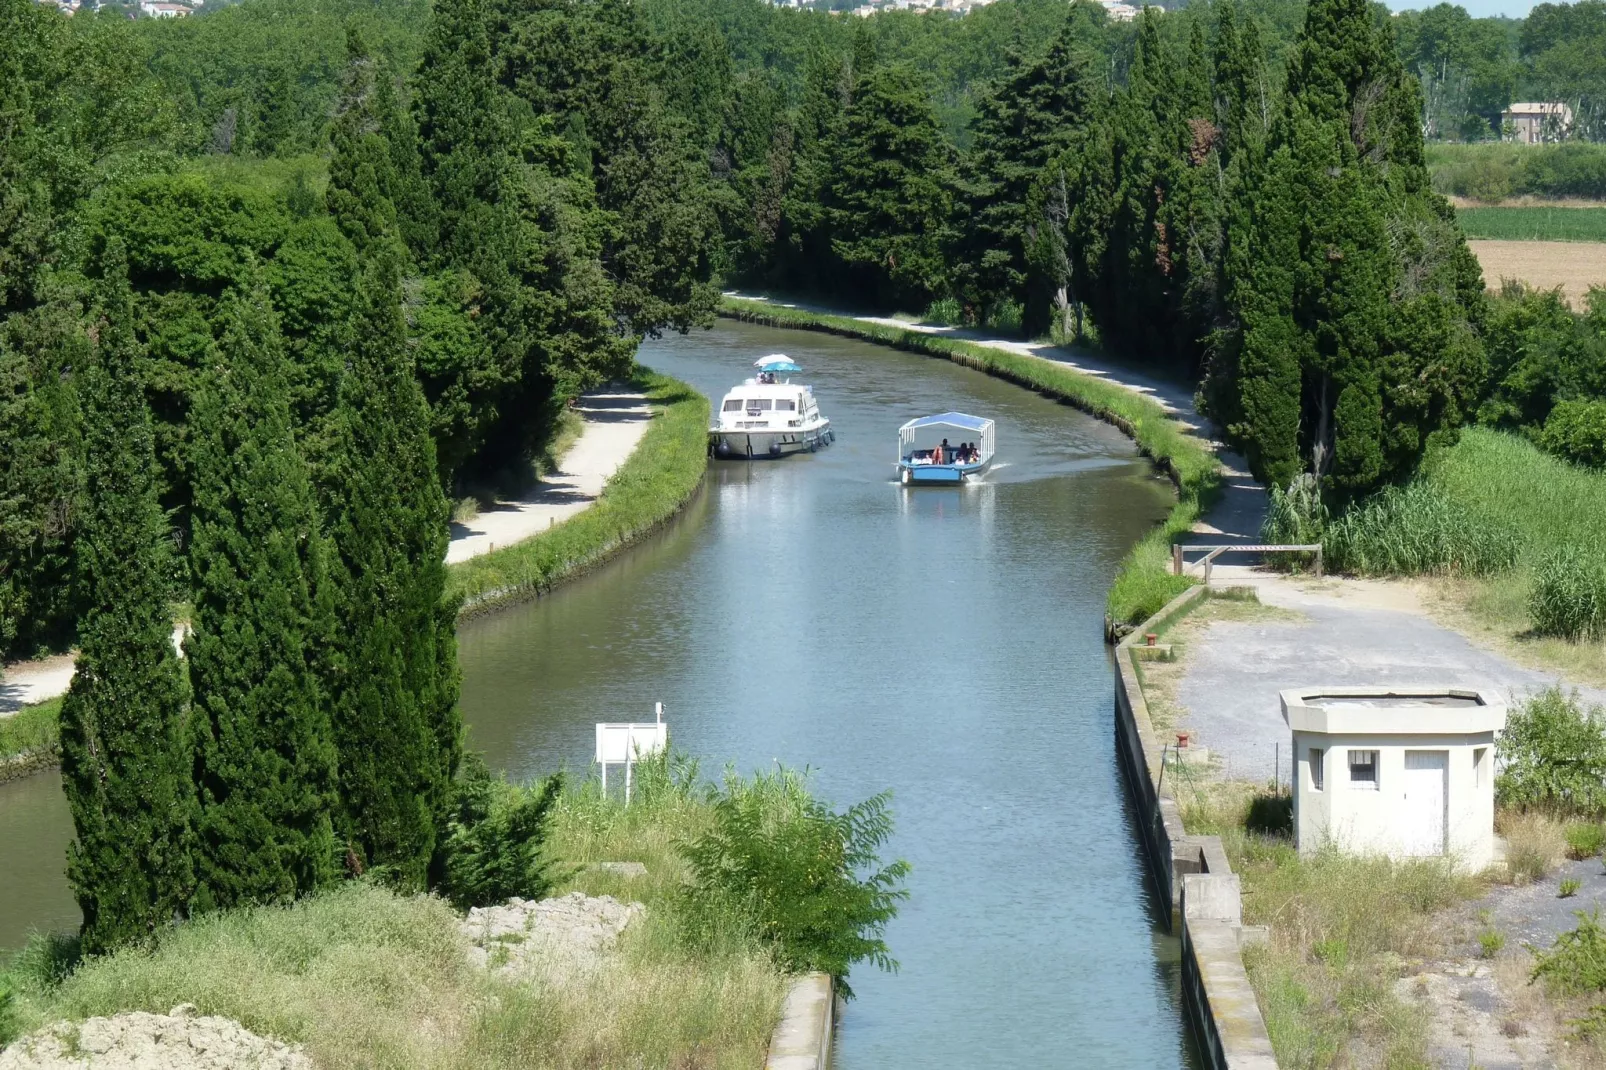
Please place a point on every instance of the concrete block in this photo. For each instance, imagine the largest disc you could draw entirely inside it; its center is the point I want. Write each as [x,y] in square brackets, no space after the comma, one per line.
[1212,897]
[802,1040]
[1253,935]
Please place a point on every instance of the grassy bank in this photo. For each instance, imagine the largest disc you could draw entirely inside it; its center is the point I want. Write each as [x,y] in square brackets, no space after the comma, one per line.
[1534,223]
[365,977]
[661,475]
[1144,583]
[30,738]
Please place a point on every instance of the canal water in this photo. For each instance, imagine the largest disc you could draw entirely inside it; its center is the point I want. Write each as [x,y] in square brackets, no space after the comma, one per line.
[941,643]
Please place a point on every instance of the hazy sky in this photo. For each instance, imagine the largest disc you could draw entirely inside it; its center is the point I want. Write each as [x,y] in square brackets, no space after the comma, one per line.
[1476,8]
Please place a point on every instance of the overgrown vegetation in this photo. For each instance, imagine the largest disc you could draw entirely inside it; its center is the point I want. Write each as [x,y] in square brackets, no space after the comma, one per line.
[364,975]
[33,731]
[1340,928]
[1497,172]
[664,471]
[1144,583]
[1553,755]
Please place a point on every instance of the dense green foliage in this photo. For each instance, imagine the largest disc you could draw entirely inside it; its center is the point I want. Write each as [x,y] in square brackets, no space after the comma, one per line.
[1553,754]
[124,762]
[32,733]
[495,841]
[1568,598]
[1576,430]
[809,878]
[1496,171]
[1533,224]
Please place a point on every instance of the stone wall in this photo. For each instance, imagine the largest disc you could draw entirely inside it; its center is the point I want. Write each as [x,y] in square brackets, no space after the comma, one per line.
[802,1040]
[1194,878]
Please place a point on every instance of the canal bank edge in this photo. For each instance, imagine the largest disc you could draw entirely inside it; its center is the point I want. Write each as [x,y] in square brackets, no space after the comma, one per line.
[1198,890]
[661,477]
[802,1039]
[1144,583]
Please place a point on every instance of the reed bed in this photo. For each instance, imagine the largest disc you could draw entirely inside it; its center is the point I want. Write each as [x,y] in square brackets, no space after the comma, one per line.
[1144,583]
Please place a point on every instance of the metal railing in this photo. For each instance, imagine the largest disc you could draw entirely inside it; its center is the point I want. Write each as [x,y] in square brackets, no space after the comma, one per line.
[1180,564]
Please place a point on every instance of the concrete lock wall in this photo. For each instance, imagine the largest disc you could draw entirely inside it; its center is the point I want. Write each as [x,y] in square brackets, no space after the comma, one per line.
[1193,876]
[802,1040]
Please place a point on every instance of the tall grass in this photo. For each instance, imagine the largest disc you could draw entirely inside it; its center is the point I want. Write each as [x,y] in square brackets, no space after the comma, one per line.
[1414,531]
[368,978]
[1493,171]
[661,475]
[1535,223]
[1341,926]
[32,732]
[1504,481]
[1144,583]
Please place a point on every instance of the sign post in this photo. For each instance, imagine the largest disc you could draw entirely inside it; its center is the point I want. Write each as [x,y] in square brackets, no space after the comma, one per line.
[622,743]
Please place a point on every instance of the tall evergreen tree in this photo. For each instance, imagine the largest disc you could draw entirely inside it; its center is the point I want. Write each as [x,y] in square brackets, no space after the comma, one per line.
[1036,110]
[264,755]
[362,173]
[892,191]
[1357,308]
[393,684]
[124,761]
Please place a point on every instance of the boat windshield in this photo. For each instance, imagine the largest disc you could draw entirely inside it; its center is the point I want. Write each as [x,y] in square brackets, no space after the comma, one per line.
[731,405]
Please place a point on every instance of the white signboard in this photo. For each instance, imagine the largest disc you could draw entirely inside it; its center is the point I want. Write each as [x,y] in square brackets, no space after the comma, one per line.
[620,743]
[625,743]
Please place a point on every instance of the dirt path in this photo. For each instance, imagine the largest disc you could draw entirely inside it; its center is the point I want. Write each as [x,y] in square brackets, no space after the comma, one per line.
[614,424]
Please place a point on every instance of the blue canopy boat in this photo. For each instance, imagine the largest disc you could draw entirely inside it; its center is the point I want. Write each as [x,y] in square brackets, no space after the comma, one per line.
[945,448]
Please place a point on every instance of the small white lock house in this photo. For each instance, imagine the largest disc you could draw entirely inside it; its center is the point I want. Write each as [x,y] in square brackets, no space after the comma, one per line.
[1406,772]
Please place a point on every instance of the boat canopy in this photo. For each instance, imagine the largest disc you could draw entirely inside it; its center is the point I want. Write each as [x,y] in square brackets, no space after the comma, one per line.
[777,362]
[927,431]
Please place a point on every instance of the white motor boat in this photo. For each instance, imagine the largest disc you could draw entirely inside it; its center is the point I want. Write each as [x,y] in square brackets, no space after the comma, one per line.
[769,415]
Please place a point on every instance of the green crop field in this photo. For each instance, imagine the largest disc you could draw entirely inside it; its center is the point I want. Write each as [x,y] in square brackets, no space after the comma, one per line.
[1534,223]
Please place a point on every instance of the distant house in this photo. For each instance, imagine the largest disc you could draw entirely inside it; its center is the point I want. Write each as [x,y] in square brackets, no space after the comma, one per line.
[1531,123]
[158,10]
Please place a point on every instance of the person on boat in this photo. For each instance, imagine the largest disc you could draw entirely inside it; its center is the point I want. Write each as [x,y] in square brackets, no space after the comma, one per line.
[942,453]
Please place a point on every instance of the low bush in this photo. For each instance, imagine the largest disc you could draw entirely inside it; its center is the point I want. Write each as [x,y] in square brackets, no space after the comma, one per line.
[1554,755]
[1585,839]
[1568,888]
[810,879]
[1494,171]
[1576,431]
[1568,598]
[946,311]
[495,846]
[1576,963]
[1491,942]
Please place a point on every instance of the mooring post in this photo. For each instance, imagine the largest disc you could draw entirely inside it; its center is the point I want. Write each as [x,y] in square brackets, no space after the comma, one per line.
[1318,561]
[1176,559]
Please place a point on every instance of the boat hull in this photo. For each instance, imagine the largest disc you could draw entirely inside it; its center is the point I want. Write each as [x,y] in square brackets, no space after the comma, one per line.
[756,445]
[914,475]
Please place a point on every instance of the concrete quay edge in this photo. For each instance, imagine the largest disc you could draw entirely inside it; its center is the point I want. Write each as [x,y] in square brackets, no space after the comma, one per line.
[802,1039]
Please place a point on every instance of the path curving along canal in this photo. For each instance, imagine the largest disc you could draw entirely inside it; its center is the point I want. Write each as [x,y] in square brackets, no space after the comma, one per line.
[943,643]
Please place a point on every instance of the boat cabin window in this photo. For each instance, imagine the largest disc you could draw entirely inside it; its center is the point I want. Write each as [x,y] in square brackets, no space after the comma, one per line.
[762,404]
[786,403]
[731,405]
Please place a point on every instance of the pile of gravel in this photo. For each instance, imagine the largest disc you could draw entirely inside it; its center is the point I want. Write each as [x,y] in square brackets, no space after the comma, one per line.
[180,1040]
[552,938]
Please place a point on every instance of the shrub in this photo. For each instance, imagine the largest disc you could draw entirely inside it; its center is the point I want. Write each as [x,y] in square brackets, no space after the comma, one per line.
[494,843]
[804,876]
[1490,942]
[1569,888]
[1415,530]
[1576,963]
[1555,756]
[1576,431]
[1585,840]
[1006,316]
[945,310]
[1568,599]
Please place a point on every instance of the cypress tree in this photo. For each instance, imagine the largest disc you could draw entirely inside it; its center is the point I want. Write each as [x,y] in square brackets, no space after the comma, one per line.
[124,764]
[361,172]
[1037,109]
[394,679]
[892,191]
[264,756]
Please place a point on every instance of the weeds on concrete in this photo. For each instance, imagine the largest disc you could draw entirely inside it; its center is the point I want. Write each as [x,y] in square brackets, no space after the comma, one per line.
[1536,843]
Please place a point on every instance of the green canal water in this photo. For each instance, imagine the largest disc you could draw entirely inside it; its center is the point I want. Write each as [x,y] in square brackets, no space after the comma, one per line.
[943,643]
